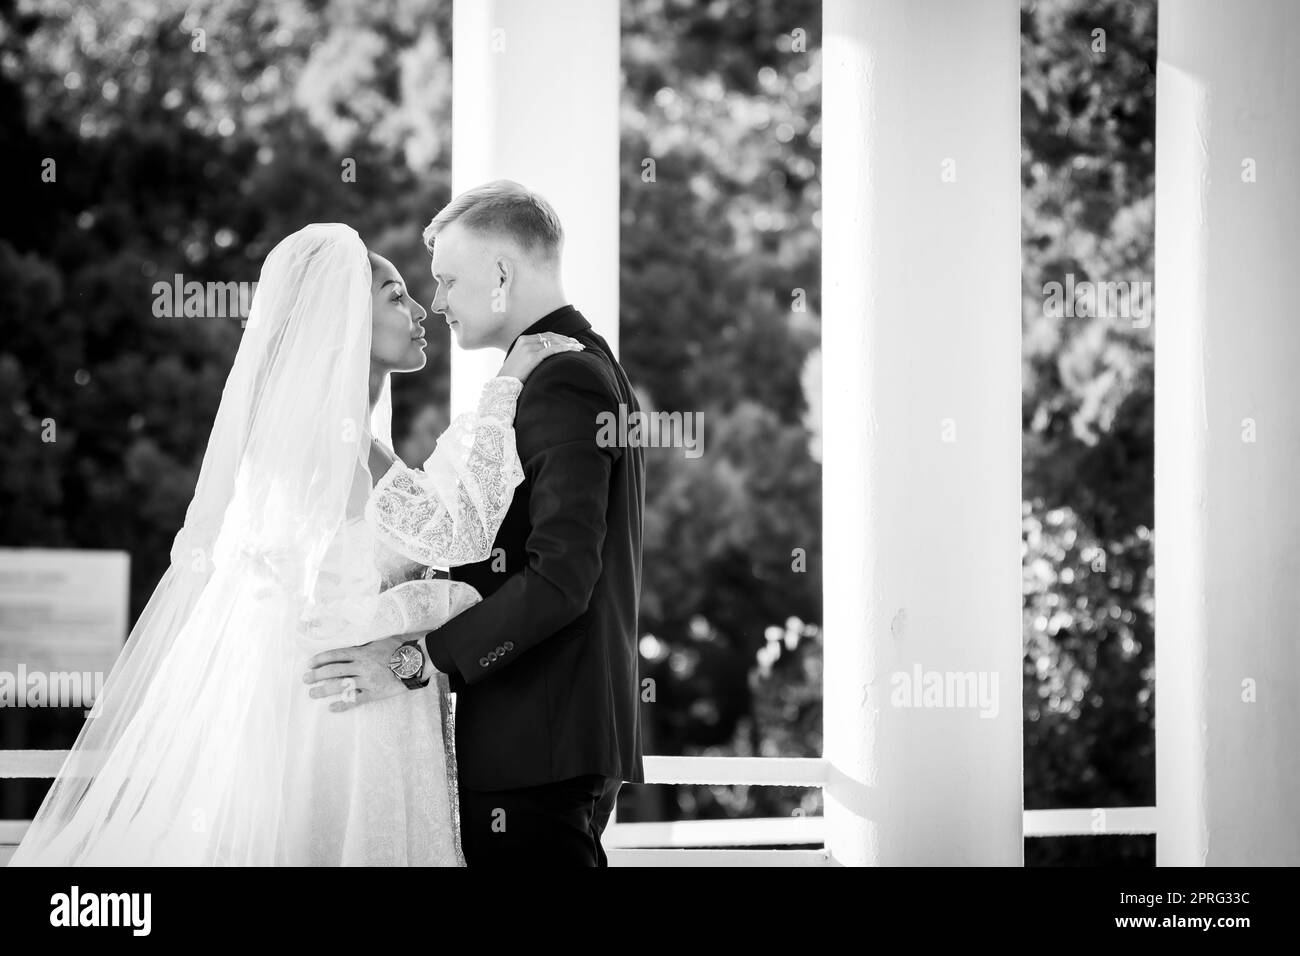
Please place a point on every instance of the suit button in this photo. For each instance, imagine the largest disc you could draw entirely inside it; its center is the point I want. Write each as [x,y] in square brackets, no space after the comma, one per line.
[510,645]
[500,650]
[492,655]
[482,662]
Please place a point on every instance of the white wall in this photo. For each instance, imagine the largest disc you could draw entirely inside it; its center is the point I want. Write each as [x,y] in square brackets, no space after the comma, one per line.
[921,343]
[1227,356]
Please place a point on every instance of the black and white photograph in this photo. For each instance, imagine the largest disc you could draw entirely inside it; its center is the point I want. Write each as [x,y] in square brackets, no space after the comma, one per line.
[525,434]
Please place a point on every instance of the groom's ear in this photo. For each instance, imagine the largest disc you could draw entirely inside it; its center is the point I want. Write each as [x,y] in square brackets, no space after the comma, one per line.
[505,272]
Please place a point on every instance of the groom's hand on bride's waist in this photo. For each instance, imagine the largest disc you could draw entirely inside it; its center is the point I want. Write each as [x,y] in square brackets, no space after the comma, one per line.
[359,675]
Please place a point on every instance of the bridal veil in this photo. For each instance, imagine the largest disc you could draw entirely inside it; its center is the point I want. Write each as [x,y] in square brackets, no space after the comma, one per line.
[192,717]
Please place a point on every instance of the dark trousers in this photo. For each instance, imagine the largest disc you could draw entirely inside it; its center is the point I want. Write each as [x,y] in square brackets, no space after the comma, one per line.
[554,824]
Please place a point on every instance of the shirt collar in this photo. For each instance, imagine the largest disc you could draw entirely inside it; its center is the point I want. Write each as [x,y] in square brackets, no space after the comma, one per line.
[566,320]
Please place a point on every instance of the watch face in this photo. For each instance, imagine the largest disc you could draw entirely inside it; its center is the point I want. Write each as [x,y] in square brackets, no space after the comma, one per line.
[407,662]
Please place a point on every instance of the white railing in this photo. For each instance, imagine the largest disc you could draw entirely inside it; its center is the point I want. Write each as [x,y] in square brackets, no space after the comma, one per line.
[31,763]
[758,771]
[704,842]
[1098,821]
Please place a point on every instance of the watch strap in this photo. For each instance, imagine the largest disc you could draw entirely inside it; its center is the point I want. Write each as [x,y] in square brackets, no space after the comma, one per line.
[414,683]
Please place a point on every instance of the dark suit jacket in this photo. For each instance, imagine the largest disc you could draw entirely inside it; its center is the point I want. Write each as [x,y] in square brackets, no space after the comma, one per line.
[545,667]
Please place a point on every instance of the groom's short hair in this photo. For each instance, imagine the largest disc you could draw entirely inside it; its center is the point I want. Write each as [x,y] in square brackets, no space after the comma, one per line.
[504,208]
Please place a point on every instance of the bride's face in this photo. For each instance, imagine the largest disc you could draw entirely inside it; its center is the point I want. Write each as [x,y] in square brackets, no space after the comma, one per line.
[397,335]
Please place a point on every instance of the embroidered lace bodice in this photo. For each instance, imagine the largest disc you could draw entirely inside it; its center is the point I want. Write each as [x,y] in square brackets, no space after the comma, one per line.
[377,579]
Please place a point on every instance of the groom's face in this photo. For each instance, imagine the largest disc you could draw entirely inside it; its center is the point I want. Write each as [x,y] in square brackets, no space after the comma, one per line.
[470,294]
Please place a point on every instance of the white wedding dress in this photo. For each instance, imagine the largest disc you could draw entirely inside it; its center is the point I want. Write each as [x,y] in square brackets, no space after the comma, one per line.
[377,784]
[204,747]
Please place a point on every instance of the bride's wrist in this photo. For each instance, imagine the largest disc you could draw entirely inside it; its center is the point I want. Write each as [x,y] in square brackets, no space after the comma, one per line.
[499,396]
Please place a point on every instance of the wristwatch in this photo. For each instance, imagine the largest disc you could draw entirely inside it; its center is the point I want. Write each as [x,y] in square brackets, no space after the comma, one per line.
[407,663]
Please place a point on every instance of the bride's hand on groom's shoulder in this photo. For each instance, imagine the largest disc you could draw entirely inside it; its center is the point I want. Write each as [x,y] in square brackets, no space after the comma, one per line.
[355,675]
[530,350]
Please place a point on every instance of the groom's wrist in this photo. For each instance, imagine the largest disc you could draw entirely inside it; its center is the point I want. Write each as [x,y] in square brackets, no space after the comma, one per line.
[427,674]
[437,654]
[400,660]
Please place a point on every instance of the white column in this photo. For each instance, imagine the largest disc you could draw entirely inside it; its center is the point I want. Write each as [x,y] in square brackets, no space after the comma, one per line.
[921,486]
[535,86]
[1227,341]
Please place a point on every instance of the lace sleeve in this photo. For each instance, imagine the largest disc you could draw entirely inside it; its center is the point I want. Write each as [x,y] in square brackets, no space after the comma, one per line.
[448,513]
[421,605]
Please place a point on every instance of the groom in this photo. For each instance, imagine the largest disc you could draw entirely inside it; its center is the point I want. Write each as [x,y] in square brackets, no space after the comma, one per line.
[545,667]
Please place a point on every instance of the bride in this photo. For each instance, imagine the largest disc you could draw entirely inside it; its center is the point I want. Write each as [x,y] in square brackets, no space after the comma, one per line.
[305,533]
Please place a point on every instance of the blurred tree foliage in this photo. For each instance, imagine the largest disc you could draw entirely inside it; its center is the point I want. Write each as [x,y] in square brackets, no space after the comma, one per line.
[175,160]
[1088,168]
[171,159]
[720,305]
